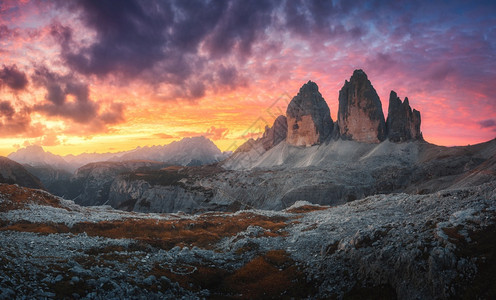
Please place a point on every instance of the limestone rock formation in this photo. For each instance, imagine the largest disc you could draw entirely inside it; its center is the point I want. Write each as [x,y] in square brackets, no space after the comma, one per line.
[402,123]
[270,138]
[309,118]
[275,134]
[360,116]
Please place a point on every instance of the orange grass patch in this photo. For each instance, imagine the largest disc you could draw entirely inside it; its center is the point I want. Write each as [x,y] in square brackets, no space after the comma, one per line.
[205,231]
[18,197]
[453,234]
[43,228]
[273,275]
[306,208]
[193,278]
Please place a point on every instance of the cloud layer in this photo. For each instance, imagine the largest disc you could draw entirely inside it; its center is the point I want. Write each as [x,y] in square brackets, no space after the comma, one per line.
[95,65]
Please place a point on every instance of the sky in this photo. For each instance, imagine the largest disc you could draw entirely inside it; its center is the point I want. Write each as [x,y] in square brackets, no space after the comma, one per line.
[108,76]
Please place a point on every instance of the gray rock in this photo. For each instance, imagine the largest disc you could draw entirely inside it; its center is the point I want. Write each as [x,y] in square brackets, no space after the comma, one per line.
[150,280]
[402,123]
[96,178]
[275,134]
[271,137]
[360,116]
[308,117]
[6,293]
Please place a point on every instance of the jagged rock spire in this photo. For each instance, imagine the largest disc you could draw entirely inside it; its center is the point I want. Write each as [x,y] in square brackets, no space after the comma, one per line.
[308,117]
[402,123]
[360,115]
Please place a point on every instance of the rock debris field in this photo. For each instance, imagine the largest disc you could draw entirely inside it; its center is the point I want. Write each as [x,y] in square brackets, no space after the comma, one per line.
[438,245]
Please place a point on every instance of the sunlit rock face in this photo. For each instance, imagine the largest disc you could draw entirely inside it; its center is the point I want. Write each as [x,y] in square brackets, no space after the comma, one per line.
[308,117]
[402,123]
[360,116]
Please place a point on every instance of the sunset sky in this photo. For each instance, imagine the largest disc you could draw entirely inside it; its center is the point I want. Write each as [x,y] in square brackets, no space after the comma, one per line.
[107,76]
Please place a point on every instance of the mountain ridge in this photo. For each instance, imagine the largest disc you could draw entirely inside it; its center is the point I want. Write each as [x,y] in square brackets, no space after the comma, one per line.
[12,172]
[360,118]
[202,151]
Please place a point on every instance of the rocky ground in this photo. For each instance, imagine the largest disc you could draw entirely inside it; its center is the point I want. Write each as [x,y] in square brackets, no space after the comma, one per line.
[439,245]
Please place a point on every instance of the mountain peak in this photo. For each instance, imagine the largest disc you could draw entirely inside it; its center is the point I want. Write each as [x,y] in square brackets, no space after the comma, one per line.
[308,117]
[360,115]
[35,148]
[309,86]
[359,73]
[402,123]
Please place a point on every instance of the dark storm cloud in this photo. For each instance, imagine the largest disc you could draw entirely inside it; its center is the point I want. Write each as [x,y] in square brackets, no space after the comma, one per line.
[4,32]
[58,88]
[115,114]
[176,42]
[195,20]
[6,109]
[229,77]
[240,26]
[131,36]
[158,41]
[15,122]
[489,123]
[80,109]
[13,78]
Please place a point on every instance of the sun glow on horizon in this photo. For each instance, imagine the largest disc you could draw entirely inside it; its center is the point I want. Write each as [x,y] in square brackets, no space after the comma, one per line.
[76,79]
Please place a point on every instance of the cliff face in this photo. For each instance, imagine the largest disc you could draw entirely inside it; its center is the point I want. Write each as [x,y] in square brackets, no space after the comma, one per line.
[95,179]
[309,118]
[360,116]
[402,124]
[142,196]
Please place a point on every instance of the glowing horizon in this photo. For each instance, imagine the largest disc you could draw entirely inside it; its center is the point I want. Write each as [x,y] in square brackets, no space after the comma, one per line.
[93,77]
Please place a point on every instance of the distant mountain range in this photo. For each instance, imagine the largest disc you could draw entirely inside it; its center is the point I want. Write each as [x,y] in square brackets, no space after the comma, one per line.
[188,151]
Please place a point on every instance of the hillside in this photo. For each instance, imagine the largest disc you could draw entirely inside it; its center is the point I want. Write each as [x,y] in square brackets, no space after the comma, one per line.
[14,173]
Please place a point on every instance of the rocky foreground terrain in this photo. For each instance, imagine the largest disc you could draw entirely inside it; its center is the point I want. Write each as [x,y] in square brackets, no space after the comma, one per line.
[439,245]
